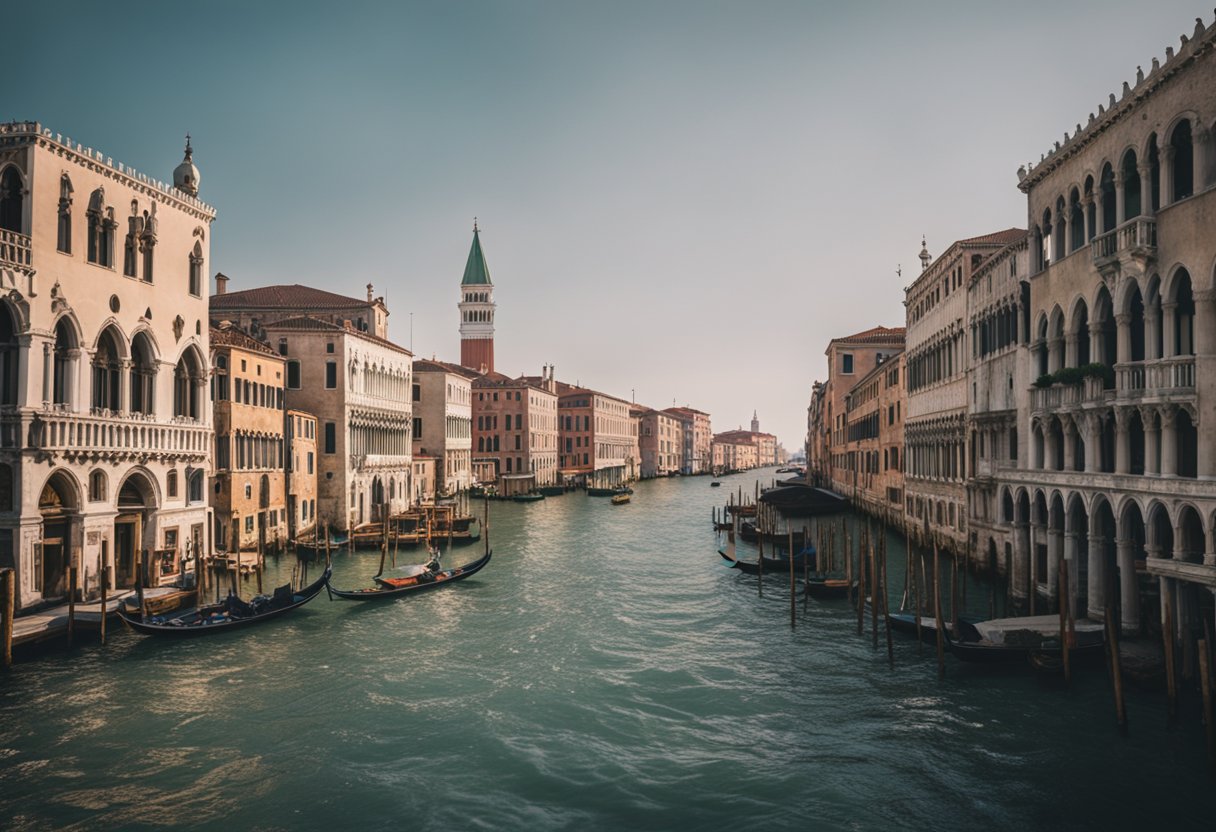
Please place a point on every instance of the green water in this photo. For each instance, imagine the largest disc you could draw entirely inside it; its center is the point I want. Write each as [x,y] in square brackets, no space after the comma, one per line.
[604,672]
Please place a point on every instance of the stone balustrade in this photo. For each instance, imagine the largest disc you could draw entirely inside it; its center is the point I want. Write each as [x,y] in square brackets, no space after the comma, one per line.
[1137,235]
[105,433]
[15,249]
[1150,379]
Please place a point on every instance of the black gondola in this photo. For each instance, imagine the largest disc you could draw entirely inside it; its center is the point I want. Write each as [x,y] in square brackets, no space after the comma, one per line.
[970,646]
[396,587]
[232,614]
[751,567]
[826,589]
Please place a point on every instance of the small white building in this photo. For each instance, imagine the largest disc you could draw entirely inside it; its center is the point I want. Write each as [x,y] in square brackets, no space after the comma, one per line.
[443,421]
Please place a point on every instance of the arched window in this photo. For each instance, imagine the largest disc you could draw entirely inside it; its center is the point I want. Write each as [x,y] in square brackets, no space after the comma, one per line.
[1184,161]
[1106,186]
[6,487]
[147,241]
[10,352]
[194,486]
[130,246]
[1131,186]
[66,351]
[143,375]
[65,215]
[97,486]
[188,379]
[107,364]
[101,225]
[171,484]
[12,201]
[196,271]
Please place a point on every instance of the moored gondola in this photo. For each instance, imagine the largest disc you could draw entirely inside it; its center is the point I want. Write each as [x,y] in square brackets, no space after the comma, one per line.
[751,567]
[826,589]
[232,614]
[391,587]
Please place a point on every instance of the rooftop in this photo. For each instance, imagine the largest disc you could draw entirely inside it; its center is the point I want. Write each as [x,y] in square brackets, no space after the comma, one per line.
[286,296]
[231,336]
[306,323]
[476,273]
[873,335]
[434,365]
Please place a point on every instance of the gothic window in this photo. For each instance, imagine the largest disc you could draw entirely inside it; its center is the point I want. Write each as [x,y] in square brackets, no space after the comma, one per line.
[1184,161]
[196,271]
[194,486]
[101,226]
[147,242]
[65,362]
[12,199]
[65,215]
[107,365]
[171,484]
[187,383]
[143,375]
[6,487]
[135,227]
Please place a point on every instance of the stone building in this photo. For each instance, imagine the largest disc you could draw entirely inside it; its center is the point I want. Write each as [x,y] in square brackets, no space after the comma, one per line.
[477,311]
[359,387]
[935,431]
[515,431]
[734,451]
[849,359]
[698,435]
[105,422]
[252,309]
[301,472]
[443,421]
[874,440]
[1121,468]
[249,468]
[661,441]
[596,436]
[998,295]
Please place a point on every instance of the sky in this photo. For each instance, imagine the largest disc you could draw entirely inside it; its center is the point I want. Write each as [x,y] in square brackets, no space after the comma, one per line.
[678,201]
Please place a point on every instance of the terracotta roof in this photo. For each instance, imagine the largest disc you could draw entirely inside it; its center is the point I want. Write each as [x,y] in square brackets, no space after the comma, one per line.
[434,365]
[230,336]
[875,335]
[306,323]
[293,296]
[996,238]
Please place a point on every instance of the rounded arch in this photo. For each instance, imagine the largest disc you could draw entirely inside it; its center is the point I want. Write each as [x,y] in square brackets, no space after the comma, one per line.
[61,490]
[138,489]
[1007,508]
[1192,538]
[1125,291]
[1100,509]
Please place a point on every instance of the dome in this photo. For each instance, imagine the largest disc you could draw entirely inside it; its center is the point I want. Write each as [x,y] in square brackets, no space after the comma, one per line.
[185,175]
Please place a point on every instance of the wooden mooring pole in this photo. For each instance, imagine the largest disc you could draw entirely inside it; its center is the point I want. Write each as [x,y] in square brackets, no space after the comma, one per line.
[886,596]
[104,574]
[861,589]
[1064,645]
[937,612]
[793,589]
[1115,665]
[1205,687]
[1167,636]
[7,598]
[875,588]
[71,598]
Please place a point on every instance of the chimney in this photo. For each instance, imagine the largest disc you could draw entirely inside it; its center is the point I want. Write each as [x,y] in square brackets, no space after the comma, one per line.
[221,283]
[369,293]
[346,324]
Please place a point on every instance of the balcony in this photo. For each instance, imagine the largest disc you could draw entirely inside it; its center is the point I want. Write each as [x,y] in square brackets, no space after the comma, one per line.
[1089,392]
[1160,379]
[379,462]
[15,250]
[1134,241]
[104,435]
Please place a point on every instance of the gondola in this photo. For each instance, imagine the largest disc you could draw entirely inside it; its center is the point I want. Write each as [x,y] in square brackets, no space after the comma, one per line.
[528,498]
[552,490]
[971,646]
[751,567]
[396,587]
[715,484]
[905,622]
[232,614]
[826,589]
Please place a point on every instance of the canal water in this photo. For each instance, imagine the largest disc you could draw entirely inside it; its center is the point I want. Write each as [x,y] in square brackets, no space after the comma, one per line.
[604,672]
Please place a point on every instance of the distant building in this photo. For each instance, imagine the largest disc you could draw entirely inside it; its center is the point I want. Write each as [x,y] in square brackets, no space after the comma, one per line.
[873,441]
[359,387]
[596,436]
[252,309]
[443,421]
[515,432]
[697,438]
[249,481]
[662,443]
[301,472]
[477,311]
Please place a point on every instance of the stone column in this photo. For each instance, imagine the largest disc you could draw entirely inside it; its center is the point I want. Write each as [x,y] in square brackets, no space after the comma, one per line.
[1021,559]
[1055,354]
[1168,326]
[1165,159]
[1152,333]
[1071,359]
[1055,550]
[71,382]
[1146,189]
[1152,442]
[1169,441]
[1070,446]
[48,372]
[1086,202]
[1093,437]
[1097,343]
[1126,556]
[124,387]
[1123,353]
[1201,138]
[1099,212]
[1070,555]
[1120,198]
[1096,584]
[1122,442]
[1067,217]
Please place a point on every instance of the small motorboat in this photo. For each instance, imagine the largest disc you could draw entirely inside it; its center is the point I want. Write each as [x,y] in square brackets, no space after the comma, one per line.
[620,499]
[528,498]
[715,484]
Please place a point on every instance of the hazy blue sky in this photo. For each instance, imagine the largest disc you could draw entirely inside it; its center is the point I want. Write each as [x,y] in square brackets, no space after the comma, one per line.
[683,199]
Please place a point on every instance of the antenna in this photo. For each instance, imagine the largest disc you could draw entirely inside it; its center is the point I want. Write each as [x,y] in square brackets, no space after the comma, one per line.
[411,332]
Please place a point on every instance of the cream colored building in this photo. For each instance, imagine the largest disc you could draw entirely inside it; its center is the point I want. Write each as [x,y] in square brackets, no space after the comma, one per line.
[697,437]
[443,420]
[301,472]
[1120,474]
[661,443]
[359,387]
[937,358]
[105,422]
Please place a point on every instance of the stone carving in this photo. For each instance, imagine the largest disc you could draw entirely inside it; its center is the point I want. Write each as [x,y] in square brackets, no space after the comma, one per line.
[179,324]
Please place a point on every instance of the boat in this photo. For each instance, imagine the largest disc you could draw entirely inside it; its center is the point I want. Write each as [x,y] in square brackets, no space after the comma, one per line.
[1016,639]
[528,498]
[752,567]
[747,531]
[552,490]
[232,614]
[715,484]
[620,499]
[828,588]
[905,622]
[804,501]
[600,492]
[395,587]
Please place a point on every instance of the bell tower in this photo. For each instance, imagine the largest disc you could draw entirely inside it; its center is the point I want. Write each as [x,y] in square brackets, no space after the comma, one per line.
[477,311]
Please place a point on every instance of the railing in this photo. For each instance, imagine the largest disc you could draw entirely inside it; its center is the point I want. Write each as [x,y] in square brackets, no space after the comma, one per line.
[15,248]
[1138,233]
[78,433]
[1060,396]
[1157,375]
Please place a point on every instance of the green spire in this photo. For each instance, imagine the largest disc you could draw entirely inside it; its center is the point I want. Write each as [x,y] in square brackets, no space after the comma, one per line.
[475,271]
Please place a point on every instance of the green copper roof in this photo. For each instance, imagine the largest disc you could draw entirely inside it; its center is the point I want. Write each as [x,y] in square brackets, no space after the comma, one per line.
[475,271]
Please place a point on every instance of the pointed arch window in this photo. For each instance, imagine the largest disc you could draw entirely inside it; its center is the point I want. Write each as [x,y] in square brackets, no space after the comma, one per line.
[196,271]
[66,353]
[12,201]
[130,246]
[147,242]
[10,352]
[107,365]
[65,215]
[101,225]
[143,375]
